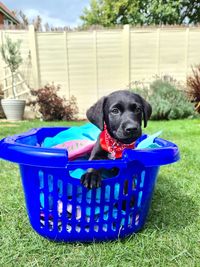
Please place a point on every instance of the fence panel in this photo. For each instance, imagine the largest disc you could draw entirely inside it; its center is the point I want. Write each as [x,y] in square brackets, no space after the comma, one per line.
[90,64]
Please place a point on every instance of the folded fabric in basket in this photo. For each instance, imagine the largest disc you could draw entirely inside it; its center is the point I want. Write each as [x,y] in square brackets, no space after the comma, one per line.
[77,140]
[77,148]
[148,142]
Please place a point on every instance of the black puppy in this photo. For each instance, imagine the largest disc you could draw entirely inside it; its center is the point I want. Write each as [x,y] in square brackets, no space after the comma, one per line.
[119,116]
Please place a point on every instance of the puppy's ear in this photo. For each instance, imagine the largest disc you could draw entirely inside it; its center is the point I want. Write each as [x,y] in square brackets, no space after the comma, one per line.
[95,114]
[147,110]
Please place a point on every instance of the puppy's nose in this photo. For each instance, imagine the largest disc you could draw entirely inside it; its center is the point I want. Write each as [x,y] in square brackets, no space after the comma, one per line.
[130,129]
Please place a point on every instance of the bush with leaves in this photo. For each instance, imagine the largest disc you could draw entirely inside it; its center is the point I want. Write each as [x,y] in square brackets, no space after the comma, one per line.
[193,87]
[53,107]
[168,101]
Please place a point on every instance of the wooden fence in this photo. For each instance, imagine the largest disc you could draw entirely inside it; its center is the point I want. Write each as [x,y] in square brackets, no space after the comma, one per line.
[90,64]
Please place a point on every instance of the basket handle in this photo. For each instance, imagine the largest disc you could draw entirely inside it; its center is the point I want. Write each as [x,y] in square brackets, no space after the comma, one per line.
[166,154]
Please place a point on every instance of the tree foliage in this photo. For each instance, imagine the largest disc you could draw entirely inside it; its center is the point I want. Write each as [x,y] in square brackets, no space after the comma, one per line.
[10,51]
[37,21]
[141,12]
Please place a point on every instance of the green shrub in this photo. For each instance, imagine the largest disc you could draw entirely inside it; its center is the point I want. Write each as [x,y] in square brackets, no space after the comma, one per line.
[167,100]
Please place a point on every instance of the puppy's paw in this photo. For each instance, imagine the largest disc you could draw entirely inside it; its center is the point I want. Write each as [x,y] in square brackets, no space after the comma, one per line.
[91,179]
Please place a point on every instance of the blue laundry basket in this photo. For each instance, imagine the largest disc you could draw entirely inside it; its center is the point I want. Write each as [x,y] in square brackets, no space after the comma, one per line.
[61,209]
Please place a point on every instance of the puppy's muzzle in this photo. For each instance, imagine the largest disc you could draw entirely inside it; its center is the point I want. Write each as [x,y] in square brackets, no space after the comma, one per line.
[130,129]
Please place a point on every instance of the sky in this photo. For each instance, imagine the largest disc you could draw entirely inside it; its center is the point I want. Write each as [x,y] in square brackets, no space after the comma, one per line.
[57,13]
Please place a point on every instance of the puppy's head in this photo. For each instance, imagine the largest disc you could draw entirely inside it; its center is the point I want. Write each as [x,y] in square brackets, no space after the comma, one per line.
[122,112]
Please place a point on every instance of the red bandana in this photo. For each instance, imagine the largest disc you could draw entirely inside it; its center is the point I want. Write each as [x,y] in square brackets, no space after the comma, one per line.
[111,145]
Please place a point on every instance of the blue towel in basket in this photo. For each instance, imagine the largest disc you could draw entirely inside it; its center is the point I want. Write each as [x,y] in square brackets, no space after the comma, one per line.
[85,132]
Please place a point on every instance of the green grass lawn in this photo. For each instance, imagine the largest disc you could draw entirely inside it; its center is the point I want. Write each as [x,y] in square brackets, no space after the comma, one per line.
[171,236]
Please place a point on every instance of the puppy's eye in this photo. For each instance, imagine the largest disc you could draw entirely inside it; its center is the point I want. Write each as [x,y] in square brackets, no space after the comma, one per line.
[138,110]
[115,111]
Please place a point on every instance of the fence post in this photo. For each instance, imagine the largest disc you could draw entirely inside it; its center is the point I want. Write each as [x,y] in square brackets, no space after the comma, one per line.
[126,53]
[187,33]
[67,63]
[95,63]
[34,56]
[158,53]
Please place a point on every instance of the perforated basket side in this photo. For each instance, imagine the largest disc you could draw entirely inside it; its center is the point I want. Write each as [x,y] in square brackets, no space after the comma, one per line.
[60,208]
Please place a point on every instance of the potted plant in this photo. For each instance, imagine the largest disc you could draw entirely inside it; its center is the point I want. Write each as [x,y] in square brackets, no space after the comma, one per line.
[12,107]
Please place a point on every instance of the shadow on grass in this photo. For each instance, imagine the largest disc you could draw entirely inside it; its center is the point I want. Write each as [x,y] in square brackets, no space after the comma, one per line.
[171,207]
